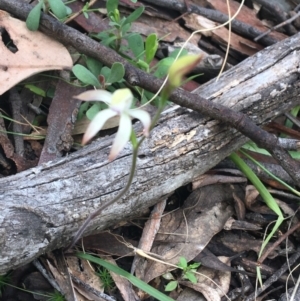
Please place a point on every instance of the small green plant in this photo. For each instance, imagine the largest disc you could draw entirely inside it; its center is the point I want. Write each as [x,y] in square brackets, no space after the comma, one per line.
[56,296]
[106,279]
[57,7]
[120,39]
[119,25]
[188,272]
[101,77]
[134,280]
[86,9]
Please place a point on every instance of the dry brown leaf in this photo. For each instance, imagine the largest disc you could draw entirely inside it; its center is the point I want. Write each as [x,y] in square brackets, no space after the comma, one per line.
[36,52]
[85,273]
[186,231]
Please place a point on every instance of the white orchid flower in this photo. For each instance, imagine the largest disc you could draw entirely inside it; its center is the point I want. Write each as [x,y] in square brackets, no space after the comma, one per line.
[119,103]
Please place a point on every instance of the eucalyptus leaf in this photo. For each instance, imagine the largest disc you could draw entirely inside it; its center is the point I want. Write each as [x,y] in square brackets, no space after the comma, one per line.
[33,19]
[58,8]
[85,75]
[116,74]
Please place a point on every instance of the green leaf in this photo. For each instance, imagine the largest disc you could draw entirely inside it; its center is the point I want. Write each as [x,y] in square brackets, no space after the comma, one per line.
[36,90]
[151,46]
[108,41]
[190,276]
[136,44]
[125,28]
[163,67]
[58,8]
[94,65]
[143,65]
[93,110]
[69,10]
[82,110]
[144,99]
[194,265]
[105,71]
[33,19]
[171,286]
[174,53]
[135,281]
[134,15]
[182,263]
[116,74]
[85,75]
[111,5]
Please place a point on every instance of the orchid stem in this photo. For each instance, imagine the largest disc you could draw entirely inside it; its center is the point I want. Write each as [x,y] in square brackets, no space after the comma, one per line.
[83,227]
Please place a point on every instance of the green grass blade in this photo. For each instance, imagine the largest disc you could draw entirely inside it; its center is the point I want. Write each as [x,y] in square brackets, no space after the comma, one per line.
[135,281]
[270,174]
[248,172]
[265,194]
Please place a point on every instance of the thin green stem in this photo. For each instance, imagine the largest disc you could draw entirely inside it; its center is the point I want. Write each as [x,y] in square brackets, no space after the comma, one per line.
[83,227]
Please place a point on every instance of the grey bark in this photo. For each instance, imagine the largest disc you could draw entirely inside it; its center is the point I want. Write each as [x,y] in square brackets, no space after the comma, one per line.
[41,208]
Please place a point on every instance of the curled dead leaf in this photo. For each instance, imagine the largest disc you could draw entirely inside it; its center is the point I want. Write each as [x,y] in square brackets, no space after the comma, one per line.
[33,52]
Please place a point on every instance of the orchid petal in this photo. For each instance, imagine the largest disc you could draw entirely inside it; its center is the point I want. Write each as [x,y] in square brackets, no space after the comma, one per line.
[144,117]
[95,95]
[121,100]
[122,136]
[97,123]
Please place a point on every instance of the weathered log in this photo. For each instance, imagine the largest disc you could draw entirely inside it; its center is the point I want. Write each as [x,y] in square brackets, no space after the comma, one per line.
[42,208]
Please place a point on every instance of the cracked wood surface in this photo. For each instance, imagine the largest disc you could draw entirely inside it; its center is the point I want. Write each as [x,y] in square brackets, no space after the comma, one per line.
[42,208]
